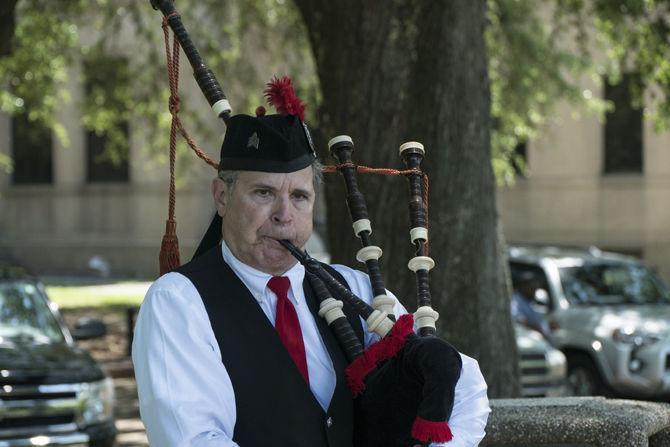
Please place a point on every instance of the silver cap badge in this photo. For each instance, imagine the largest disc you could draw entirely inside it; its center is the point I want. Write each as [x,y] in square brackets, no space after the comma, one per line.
[254,141]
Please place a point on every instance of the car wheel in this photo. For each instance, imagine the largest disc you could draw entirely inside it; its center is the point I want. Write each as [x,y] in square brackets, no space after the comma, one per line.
[583,377]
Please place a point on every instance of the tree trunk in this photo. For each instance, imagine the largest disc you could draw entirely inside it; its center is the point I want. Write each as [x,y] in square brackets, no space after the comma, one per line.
[7,24]
[399,71]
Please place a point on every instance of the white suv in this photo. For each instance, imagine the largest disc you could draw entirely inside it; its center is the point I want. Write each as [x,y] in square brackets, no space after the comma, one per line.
[610,316]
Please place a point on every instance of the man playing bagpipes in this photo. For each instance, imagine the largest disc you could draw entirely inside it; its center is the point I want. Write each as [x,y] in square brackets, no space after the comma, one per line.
[253,343]
[229,349]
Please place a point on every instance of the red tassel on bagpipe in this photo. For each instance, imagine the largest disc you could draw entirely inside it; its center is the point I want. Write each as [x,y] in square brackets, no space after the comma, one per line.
[168,259]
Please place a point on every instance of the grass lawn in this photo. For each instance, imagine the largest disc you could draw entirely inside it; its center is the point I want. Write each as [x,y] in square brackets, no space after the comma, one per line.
[122,293]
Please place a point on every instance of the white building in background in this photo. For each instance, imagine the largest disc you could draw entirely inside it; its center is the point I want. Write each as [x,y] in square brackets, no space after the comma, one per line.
[589,182]
[63,205]
[595,182]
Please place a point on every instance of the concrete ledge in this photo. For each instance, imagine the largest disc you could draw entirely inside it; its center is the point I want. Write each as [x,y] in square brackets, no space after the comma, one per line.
[577,422]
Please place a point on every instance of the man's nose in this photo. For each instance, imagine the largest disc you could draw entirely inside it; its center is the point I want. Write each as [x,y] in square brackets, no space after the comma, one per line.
[282,211]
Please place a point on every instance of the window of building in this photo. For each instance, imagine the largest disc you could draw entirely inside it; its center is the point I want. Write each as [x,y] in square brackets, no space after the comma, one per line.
[107,151]
[103,164]
[623,129]
[32,152]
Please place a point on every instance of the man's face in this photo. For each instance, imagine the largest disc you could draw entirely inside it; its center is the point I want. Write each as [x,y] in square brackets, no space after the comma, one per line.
[261,208]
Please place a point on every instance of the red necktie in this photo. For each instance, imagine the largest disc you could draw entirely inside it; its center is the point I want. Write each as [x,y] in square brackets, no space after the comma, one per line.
[287,324]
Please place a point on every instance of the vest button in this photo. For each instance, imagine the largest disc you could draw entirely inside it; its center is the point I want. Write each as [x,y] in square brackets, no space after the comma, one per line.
[329,422]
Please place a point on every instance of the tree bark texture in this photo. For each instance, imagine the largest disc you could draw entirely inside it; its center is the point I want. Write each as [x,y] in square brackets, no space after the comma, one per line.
[398,71]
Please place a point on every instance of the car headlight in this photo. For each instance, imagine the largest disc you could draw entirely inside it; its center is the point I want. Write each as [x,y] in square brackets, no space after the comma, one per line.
[97,400]
[557,363]
[635,337]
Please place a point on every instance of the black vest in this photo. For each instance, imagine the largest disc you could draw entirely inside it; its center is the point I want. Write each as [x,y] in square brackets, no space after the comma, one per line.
[274,404]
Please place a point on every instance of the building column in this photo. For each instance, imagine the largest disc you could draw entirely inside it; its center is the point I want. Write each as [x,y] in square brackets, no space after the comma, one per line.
[69,157]
[657,191]
[5,150]
[69,163]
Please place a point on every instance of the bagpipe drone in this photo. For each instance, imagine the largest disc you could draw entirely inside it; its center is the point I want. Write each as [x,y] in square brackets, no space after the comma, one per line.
[403,384]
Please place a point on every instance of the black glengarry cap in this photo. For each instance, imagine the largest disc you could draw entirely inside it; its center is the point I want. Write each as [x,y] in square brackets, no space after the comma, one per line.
[278,143]
[269,143]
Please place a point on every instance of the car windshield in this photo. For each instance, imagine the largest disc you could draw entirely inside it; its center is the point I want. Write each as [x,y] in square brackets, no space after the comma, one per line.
[611,284]
[25,316]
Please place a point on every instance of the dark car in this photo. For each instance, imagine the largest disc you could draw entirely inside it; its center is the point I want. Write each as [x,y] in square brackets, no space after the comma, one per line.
[51,391]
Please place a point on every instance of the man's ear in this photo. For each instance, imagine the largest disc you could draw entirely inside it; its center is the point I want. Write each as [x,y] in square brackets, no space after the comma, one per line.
[220,194]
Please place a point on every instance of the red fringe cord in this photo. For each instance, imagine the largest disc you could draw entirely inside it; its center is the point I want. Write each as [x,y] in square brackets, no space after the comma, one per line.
[429,431]
[384,349]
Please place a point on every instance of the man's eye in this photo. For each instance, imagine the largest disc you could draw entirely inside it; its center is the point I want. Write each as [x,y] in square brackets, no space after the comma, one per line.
[263,192]
[300,196]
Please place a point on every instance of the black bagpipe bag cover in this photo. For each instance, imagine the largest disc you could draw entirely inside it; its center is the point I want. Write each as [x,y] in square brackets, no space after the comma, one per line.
[408,398]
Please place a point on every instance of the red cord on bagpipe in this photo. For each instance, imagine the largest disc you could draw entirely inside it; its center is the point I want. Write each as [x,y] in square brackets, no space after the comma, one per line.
[169,258]
[331,169]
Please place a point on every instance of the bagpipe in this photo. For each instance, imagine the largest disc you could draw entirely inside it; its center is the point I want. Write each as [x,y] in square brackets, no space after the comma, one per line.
[403,384]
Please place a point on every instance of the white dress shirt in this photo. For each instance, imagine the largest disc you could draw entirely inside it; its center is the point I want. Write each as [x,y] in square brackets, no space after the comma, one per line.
[185,393]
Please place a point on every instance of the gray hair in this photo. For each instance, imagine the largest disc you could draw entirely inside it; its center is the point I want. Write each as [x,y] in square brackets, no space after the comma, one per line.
[230,177]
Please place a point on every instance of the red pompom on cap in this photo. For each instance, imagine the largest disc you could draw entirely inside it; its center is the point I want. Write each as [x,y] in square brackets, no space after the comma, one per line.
[280,94]
[260,111]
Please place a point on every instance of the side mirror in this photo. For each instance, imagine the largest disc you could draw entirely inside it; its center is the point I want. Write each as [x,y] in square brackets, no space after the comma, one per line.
[88,328]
